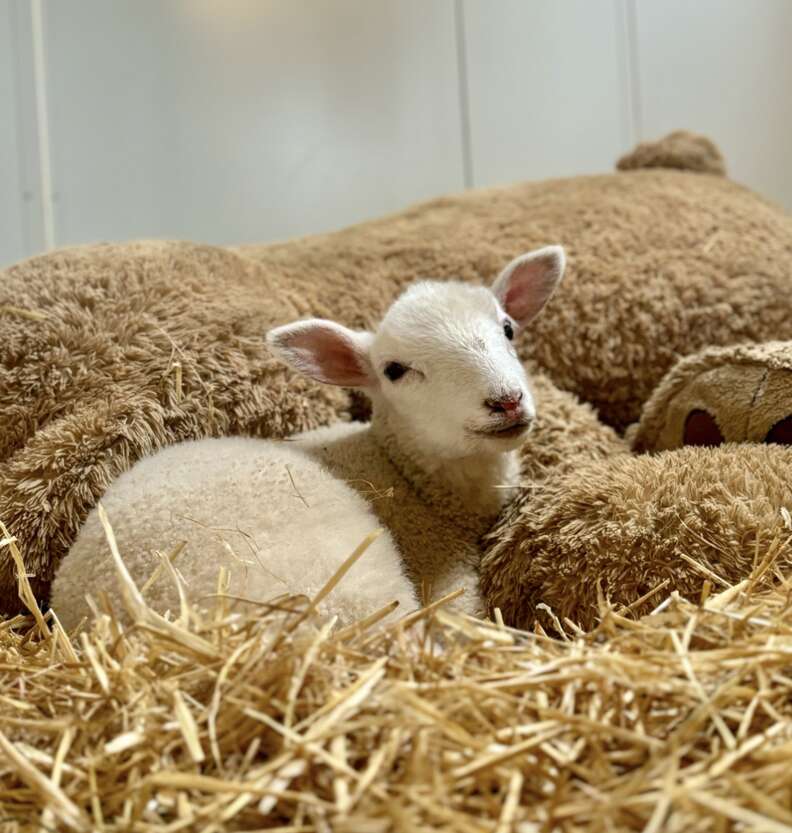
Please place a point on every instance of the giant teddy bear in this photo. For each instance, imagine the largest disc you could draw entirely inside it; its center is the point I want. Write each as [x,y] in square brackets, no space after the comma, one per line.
[663,373]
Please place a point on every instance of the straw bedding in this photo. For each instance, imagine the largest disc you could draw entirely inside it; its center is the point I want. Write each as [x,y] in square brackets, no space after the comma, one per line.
[261,719]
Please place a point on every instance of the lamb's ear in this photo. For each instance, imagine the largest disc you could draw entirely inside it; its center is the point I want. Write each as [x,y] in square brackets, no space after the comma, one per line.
[325,351]
[527,283]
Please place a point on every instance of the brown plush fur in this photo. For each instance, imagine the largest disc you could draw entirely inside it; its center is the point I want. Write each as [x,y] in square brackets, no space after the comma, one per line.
[121,349]
[622,526]
[132,347]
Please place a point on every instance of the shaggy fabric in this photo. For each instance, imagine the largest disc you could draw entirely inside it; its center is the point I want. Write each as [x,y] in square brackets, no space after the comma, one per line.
[619,528]
[130,348]
[108,352]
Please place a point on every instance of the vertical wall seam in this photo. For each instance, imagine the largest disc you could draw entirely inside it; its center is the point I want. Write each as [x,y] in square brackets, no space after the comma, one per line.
[626,131]
[24,187]
[634,69]
[42,122]
[464,93]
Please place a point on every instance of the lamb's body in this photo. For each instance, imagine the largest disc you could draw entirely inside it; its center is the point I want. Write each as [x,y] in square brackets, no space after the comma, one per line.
[436,518]
[277,519]
[450,406]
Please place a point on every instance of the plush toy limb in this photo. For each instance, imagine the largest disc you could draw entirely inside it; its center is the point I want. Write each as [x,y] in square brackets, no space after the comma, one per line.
[109,352]
[567,433]
[626,524]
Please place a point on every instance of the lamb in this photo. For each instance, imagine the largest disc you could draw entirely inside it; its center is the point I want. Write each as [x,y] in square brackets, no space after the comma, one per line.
[451,405]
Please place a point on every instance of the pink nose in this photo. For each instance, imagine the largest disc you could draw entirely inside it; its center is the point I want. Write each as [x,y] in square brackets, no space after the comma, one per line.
[511,404]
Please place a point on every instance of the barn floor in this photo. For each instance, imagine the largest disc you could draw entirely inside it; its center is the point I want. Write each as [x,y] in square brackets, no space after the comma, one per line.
[261,718]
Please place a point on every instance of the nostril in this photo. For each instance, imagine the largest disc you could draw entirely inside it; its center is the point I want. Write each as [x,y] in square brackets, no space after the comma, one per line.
[505,404]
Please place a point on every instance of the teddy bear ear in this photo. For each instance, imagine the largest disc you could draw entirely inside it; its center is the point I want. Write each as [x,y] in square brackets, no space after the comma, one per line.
[702,430]
[781,432]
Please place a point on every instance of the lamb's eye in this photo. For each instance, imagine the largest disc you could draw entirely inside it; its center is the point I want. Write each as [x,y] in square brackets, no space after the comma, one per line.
[508,330]
[394,370]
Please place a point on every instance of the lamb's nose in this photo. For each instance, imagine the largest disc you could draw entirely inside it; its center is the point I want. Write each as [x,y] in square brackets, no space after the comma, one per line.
[510,404]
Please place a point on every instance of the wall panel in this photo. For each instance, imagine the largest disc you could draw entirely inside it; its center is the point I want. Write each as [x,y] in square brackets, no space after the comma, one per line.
[723,69]
[246,120]
[549,93]
[21,215]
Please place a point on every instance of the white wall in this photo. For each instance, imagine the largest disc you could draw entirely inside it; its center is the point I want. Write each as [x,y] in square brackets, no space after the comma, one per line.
[254,120]
[13,234]
[548,87]
[247,120]
[20,194]
[724,68]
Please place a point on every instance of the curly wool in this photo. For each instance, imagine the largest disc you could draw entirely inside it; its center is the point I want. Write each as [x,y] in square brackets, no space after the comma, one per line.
[277,520]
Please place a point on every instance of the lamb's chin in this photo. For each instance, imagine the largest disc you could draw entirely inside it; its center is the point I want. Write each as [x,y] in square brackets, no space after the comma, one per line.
[505,444]
[505,439]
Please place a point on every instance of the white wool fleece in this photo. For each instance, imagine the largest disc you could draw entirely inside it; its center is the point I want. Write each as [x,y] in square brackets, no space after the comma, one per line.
[275,518]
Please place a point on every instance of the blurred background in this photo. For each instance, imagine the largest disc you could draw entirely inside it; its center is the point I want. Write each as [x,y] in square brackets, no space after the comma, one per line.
[233,121]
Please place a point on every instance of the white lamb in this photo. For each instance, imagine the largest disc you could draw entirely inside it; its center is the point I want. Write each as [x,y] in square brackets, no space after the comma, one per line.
[451,405]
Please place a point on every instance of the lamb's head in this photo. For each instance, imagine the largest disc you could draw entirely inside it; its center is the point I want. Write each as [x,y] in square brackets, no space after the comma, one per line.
[442,364]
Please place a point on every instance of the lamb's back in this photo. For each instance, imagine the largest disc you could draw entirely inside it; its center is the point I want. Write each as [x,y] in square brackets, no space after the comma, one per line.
[270,513]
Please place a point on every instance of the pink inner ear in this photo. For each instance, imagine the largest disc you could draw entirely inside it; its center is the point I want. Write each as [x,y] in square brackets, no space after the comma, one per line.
[328,355]
[529,288]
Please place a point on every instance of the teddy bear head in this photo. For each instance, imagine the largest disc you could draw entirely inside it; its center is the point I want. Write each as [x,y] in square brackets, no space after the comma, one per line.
[721,395]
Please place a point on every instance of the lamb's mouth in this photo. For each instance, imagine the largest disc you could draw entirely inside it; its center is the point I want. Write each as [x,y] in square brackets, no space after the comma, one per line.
[509,432]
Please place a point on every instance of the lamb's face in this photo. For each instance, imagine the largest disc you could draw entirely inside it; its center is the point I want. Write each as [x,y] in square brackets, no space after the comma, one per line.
[445,364]
[442,361]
